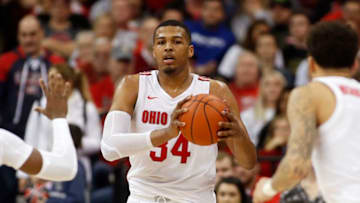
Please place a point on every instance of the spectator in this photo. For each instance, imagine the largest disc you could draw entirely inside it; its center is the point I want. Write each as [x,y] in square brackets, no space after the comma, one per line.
[143,59]
[302,76]
[81,111]
[229,61]
[224,166]
[104,26]
[295,45]
[211,37]
[247,177]
[83,54]
[74,190]
[230,190]
[307,191]
[266,48]
[271,86]
[98,69]
[249,11]
[173,12]
[122,14]
[245,86]
[61,27]
[103,91]
[281,13]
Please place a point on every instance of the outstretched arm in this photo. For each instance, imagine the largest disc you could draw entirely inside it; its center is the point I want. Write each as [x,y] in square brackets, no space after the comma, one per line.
[234,131]
[61,163]
[297,162]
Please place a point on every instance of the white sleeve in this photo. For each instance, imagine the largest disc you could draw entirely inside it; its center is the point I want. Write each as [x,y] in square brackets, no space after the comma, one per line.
[91,140]
[117,142]
[61,163]
[228,64]
[15,151]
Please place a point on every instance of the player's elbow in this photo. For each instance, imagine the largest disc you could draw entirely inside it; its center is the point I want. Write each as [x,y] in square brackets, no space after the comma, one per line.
[109,153]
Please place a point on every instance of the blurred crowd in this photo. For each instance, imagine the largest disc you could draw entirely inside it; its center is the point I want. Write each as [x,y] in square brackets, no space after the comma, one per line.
[257,46]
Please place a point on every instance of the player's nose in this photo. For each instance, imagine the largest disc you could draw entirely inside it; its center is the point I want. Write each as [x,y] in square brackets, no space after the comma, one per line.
[169,47]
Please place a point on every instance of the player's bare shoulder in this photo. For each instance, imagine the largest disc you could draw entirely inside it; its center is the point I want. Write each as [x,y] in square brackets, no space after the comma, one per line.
[221,90]
[126,94]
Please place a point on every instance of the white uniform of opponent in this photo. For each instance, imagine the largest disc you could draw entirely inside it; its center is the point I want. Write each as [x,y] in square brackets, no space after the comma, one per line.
[336,153]
[177,171]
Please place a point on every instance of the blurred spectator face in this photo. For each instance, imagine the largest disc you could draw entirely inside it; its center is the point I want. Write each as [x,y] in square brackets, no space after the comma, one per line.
[228,193]
[28,3]
[104,27]
[247,70]
[118,68]
[299,26]
[351,11]
[283,102]
[136,6]
[272,87]
[212,13]
[172,14]
[246,176]
[30,35]
[258,30]
[224,168]
[102,55]
[266,47]
[121,11]
[60,10]
[281,14]
[147,30]
[85,45]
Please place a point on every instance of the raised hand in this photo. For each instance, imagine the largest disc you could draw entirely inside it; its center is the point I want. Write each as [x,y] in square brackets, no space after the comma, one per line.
[57,93]
[175,124]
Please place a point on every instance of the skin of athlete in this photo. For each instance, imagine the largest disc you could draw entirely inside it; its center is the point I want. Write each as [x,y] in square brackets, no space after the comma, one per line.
[172,51]
[309,106]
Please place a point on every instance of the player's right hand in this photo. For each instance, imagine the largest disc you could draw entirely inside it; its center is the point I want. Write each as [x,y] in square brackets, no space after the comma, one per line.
[174,127]
[57,93]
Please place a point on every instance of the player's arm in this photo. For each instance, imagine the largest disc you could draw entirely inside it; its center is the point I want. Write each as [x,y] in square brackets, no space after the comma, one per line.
[117,141]
[297,162]
[60,164]
[234,131]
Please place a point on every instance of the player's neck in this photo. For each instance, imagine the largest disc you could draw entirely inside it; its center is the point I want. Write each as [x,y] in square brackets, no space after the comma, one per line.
[324,73]
[174,85]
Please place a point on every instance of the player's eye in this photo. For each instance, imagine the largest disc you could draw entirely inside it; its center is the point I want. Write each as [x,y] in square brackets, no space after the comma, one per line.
[161,42]
[178,42]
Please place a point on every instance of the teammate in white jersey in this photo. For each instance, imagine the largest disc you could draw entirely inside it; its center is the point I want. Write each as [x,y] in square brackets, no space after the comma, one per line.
[143,125]
[324,117]
[60,164]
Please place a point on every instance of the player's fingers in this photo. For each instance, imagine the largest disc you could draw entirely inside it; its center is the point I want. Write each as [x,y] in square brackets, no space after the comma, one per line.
[43,87]
[67,90]
[39,110]
[228,115]
[179,105]
[226,125]
[226,133]
[178,112]
[179,123]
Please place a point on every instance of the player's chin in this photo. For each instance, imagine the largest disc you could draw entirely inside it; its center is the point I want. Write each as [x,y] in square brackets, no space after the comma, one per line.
[169,70]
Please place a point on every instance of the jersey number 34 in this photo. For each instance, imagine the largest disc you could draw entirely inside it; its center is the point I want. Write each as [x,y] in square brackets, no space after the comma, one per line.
[180,148]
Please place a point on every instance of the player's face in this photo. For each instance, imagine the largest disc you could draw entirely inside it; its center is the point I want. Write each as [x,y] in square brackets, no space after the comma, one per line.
[228,193]
[171,49]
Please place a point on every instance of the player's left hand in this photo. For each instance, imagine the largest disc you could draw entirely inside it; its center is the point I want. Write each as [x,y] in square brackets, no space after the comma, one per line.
[231,128]
[57,94]
[259,196]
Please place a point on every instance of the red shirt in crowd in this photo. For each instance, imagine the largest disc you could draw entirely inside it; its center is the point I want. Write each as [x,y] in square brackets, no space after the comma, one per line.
[245,97]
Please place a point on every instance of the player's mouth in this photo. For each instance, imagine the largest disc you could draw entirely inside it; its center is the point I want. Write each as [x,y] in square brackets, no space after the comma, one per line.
[169,60]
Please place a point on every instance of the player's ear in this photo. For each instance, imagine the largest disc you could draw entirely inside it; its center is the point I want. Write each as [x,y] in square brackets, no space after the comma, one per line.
[311,65]
[191,51]
[355,66]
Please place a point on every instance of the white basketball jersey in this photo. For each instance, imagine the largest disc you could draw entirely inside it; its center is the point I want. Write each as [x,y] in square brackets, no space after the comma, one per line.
[178,169]
[336,153]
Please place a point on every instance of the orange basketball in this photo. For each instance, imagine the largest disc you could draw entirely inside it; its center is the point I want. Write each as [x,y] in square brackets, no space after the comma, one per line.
[202,119]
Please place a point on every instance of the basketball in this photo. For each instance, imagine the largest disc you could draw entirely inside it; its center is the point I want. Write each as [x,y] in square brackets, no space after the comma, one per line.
[202,119]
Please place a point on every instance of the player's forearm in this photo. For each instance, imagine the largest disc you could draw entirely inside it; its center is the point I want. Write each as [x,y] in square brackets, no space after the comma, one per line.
[159,137]
[290,172]
[243,150]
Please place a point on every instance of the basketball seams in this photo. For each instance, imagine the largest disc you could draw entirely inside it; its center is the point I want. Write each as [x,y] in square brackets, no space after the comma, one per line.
[208,123]
[193,116]
[212,106]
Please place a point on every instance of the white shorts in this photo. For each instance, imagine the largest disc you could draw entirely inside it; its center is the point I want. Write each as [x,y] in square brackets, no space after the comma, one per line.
[133,198]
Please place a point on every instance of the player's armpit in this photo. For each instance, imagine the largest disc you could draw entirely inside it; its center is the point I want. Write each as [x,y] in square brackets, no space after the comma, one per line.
[126,94]
[297,162]
[238,140]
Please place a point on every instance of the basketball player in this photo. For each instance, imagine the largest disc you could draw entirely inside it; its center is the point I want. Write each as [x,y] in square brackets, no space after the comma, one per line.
[143,125]
[324,117]
[61,163]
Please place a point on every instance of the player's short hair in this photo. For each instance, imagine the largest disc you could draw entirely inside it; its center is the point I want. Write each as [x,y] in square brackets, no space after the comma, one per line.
[174,23]
[333,45]
[233,181]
